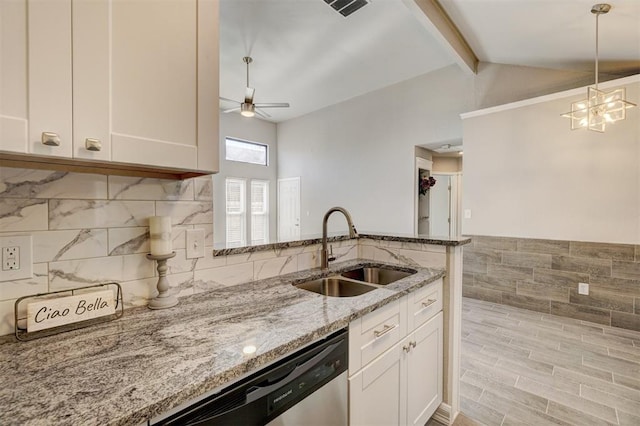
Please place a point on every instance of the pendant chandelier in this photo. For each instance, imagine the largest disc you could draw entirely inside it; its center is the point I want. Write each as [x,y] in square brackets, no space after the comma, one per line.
[600,108]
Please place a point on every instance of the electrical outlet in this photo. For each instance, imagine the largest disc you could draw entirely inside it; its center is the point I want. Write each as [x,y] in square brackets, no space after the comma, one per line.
[10,258]
[583,288]
[17,261]
[195,243]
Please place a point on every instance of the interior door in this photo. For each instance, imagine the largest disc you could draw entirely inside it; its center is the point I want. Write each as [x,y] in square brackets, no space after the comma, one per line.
[440,206]
[289,209]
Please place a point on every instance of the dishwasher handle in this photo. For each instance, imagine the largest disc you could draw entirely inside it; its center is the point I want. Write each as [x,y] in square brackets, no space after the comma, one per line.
[297,372]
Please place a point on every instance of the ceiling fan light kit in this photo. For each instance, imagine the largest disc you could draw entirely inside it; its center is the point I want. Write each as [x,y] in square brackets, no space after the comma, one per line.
[600,108]
[248,108]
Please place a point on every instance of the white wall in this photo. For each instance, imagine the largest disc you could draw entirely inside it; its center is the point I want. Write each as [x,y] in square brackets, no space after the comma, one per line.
[528,175]
[254,130]
[359,154]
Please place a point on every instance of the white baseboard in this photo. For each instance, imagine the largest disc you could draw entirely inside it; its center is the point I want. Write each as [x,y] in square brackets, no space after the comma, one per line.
[443,414]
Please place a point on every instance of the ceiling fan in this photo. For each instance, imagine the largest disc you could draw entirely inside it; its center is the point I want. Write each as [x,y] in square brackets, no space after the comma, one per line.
[248,108]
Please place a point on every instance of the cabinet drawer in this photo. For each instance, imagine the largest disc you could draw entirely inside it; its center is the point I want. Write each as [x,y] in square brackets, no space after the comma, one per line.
[374,333]
[424,304]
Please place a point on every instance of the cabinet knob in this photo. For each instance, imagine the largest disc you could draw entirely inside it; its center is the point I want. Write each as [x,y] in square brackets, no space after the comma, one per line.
[50,139]
[92,144]
[407,348]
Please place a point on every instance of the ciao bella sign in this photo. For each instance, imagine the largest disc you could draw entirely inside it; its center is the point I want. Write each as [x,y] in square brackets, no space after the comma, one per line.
[66,310]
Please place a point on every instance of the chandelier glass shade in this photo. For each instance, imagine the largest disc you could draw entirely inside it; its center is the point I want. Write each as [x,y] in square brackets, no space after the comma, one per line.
[599,108]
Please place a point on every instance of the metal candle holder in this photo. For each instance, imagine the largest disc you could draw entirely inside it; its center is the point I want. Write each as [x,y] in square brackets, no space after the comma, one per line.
[164,299]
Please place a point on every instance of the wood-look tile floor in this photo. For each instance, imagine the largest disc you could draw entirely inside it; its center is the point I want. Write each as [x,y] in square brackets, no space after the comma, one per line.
[528,368]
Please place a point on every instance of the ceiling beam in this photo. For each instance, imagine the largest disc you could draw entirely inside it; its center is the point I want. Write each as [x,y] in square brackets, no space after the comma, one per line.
[433,17]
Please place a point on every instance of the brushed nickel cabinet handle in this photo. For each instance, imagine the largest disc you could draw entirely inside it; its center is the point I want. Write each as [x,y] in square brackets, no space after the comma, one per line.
[407,348]
[412,344]
[50,139]
[429,302]
[385,330]
[92,144]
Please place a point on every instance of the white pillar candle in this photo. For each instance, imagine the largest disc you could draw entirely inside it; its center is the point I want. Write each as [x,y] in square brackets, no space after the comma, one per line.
[160,232]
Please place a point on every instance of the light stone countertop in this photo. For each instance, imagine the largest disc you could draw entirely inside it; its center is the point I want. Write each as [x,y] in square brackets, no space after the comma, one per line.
[407,238]
[147,362]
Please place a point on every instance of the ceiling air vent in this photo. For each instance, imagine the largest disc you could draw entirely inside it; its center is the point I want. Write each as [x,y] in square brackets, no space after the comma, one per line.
[346,7]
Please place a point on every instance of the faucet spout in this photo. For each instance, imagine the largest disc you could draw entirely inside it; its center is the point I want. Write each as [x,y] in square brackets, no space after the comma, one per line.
[352,233]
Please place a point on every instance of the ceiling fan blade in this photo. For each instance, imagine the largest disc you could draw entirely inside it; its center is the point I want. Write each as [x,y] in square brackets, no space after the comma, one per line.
[273,105]
[248,95]
[229,100]
[231,109]
[262,113]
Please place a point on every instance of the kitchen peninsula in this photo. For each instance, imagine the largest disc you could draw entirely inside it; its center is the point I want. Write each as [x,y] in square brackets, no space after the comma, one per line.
[148,362]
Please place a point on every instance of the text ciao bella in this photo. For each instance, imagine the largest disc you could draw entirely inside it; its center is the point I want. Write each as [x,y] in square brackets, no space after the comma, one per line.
[83,307]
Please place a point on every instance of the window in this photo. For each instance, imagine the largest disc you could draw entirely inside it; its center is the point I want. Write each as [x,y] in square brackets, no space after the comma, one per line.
[236,217]
[237,221]
[246,152]
[259,212]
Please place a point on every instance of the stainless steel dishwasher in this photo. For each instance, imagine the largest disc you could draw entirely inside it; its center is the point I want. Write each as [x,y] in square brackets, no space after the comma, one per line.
[308,387]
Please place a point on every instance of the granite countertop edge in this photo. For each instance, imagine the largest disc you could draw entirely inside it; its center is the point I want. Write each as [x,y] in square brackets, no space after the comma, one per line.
[207,376]
[440,241]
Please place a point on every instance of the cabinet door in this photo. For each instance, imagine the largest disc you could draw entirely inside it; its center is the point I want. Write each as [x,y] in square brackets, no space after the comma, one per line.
[377,393]
[146,81]
[424,378]
[35,76]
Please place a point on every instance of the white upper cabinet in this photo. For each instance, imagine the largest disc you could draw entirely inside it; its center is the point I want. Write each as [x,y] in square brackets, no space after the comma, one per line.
[35,77]
[118,81]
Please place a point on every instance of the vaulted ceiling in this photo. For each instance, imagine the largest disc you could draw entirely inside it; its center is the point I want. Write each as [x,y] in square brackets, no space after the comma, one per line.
[306,53]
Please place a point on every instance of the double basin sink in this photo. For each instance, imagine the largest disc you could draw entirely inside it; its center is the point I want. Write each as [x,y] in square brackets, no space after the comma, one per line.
[354,282]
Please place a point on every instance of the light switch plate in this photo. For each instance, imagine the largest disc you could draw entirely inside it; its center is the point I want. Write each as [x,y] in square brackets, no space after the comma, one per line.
[17,259]
[195,243]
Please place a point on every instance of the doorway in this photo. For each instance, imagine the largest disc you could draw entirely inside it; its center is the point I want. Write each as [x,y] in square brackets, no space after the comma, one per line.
[422,207]
[444,203]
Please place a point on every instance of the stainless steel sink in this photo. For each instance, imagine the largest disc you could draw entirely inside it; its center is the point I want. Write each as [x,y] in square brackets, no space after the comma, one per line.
[376,275]
[335,287]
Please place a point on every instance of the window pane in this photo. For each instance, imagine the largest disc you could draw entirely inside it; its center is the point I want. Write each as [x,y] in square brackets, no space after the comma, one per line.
[259,212]
[246,152]
[259,229]
[235,195]
[235,218]
[235,237]
[259,196]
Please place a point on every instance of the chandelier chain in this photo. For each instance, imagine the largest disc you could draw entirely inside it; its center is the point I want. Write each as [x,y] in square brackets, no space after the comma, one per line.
[597,19]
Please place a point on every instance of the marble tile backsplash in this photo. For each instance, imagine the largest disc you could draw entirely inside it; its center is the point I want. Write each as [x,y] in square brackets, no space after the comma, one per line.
[90,228]
[403,253]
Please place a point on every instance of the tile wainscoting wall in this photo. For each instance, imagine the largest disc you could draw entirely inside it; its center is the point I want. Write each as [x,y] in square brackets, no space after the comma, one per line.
[89,229]
[543,275]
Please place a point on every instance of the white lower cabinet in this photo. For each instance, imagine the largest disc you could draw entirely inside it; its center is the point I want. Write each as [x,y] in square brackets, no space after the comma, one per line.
[377,393]
[424,371]
[403,385]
